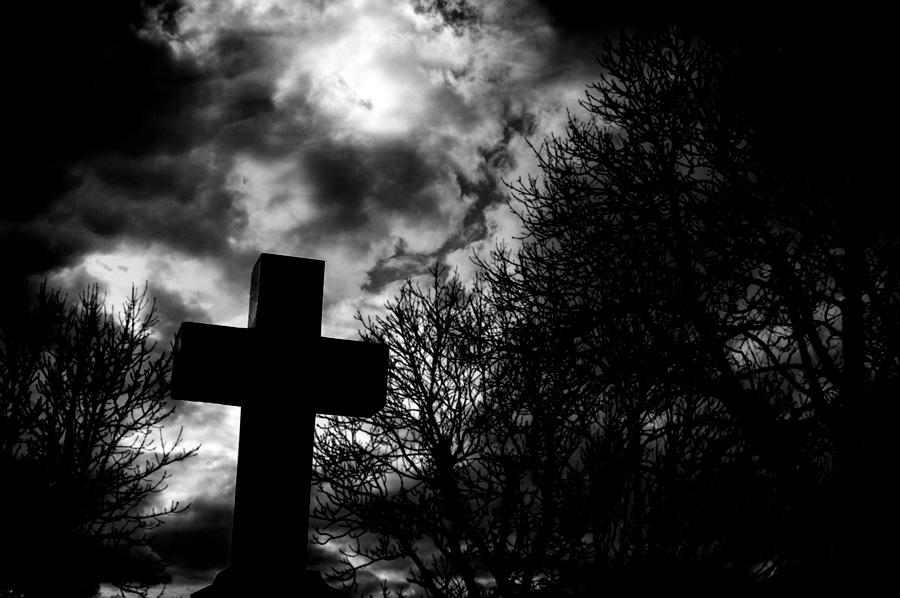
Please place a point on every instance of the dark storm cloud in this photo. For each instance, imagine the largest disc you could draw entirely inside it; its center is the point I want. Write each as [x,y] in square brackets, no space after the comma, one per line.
[109,121]
[172,310]
[457,14]
[92,81]
[403,264]
[351,181]
[28,248]
[237,52]
[244,116]
[191,209]
[197,540]
[359,186]
[174,175]
[356,184]
[177,201]
[319,558]
[86,82]
[449,106]
[398,266]
[587,20]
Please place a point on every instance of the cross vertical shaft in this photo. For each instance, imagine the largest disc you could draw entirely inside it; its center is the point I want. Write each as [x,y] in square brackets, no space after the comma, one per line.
[285,309]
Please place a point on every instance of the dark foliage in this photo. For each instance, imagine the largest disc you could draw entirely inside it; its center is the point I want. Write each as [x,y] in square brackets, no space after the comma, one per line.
[733,327]
[404,486]
[83,396]
[673,381]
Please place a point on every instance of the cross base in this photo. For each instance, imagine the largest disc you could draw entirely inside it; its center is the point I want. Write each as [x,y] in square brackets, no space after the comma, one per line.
[229,584]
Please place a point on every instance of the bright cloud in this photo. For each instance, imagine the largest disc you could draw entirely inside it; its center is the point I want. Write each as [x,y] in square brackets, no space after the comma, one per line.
[198,282]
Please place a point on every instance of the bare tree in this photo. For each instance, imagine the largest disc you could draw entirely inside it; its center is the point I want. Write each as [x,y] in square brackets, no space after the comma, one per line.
[727,328]
[83,397]
[393,487]
[469,476]
[667,384]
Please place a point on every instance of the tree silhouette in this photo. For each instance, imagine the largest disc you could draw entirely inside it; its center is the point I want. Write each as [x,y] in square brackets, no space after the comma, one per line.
[468,477]
[670,383]
[83,394]
[730,331]
[398,486]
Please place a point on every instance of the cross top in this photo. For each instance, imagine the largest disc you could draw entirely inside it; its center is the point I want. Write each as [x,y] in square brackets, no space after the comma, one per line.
[228,365]
[286,295]
[281,373]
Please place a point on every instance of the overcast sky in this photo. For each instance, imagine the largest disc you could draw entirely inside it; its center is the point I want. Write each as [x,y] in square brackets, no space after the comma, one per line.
[370,134]
[173,146]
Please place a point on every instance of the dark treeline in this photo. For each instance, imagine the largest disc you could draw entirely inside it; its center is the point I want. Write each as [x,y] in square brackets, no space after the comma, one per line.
[677,379]
[84,393]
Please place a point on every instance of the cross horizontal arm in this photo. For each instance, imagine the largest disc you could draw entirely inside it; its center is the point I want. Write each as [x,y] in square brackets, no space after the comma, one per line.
[239,366]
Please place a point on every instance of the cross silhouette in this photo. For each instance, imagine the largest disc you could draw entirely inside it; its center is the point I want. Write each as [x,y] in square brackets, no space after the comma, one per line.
[280,372]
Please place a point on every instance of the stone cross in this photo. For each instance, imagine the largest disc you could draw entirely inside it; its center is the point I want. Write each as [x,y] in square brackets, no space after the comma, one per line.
[280,372]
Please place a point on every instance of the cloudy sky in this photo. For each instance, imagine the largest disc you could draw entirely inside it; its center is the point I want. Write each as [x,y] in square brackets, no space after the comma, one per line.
[171,143]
